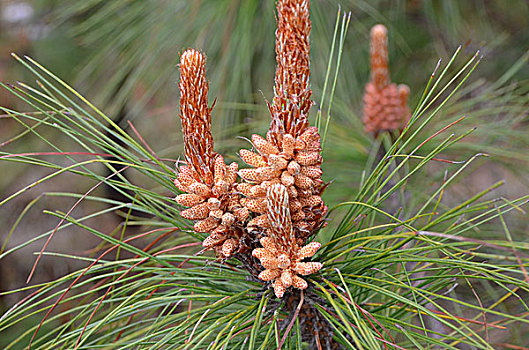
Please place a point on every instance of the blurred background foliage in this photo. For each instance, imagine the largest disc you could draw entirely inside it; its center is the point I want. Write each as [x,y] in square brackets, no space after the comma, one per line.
[122,55]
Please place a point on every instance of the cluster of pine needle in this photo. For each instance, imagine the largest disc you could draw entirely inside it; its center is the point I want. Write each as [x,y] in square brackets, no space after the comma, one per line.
[278,202]
[379,278]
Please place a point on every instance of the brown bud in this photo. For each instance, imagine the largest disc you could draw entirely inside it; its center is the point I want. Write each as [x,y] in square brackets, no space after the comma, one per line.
[286,278]
[299,215]
[277,162]
[269,245]
[294,168]
[268,275]
[220,187]
[219,169]
[287,179]
[298,282]
[244,188]
[311,201]
[216,213]
[197,212]
[184,169]
[295,205]
[309,134]
[261,253]
[200,189]
[313,171]
[263,146]
[303,226]
[188,199]
[250,174]
[257,191]
[221,229]
[309,250]
[231,173]
[252,159]
[228,219]
[213,203]
[300,144]
[269,262]
[288,145]
[279,288]
[256,205]
[229,246]
[303,182]
[283,261]
[308,158]
[185,178]
[313,146]
[180,186]
[213,240]
[307,268]
[206,225]
[260,221]
[267,173]
[241,213]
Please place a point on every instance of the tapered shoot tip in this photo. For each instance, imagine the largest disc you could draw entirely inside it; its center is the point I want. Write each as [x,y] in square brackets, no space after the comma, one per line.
[403,89]
[191,57]
[379,30]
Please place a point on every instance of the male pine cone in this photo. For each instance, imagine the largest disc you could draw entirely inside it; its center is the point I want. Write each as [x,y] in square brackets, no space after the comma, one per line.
[290,154]
[385,103]
[207,182]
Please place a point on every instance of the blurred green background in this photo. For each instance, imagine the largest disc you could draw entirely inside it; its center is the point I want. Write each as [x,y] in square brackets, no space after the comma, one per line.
[122,55]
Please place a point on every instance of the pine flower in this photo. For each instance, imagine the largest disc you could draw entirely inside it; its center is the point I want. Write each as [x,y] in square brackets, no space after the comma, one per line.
[385,103]
[292,93]
[195,115]
[281,255]
[207,182]
[290,154]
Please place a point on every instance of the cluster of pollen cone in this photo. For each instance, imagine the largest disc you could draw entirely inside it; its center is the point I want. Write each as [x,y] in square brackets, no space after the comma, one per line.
[385,103]
[277,200]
